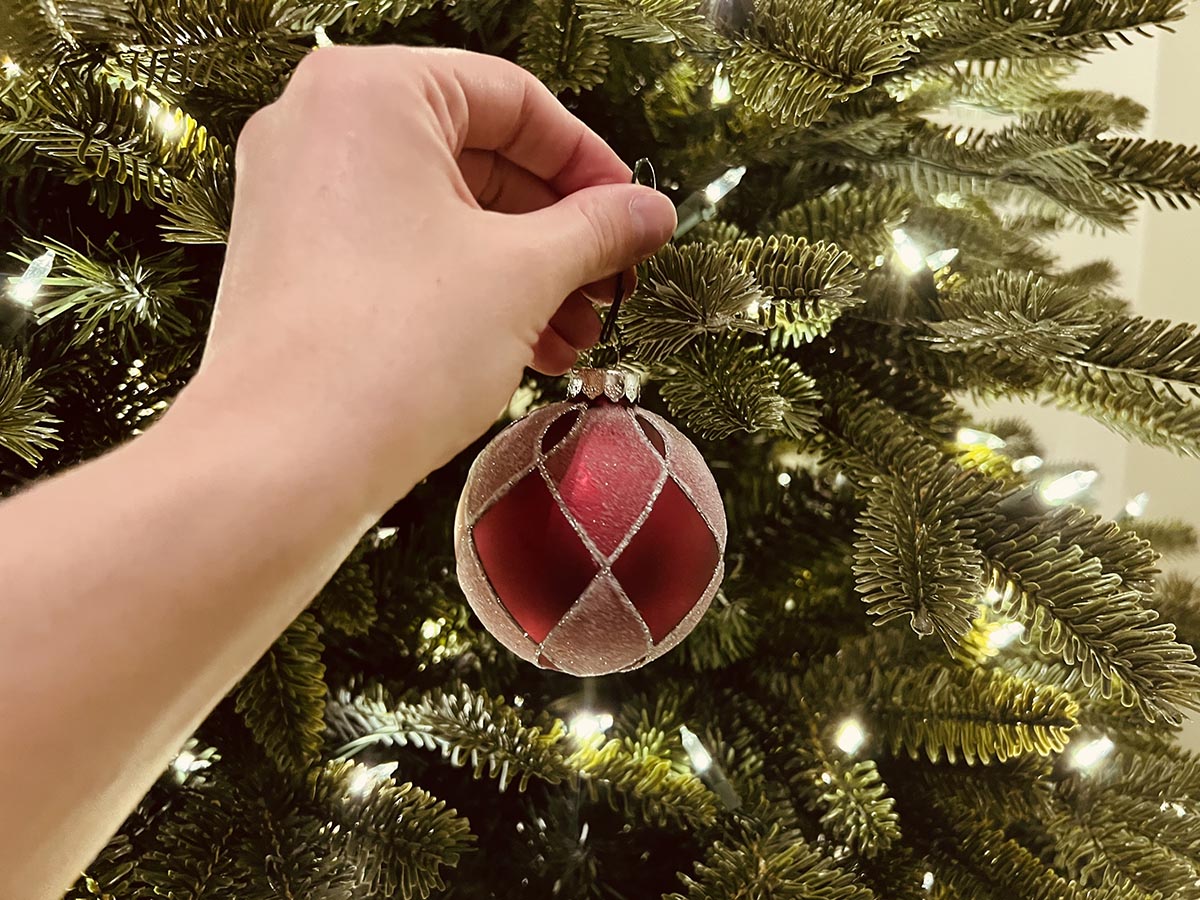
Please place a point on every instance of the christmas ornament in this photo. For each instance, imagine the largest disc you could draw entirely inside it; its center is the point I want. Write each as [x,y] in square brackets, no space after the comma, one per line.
[590,534]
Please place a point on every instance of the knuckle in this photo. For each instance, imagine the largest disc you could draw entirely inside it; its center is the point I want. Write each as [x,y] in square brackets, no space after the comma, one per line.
[325,75]
[251,135]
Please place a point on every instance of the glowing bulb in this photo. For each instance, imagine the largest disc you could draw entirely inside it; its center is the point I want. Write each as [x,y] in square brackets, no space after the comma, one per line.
[850,736]
[975,437]
[927,881]
[784,479]
[24,288]
[10,67]
[722,93]
[717,190]
[941,258]
[1137,505]
[586,725]
[1070,485]
[365,777]
[1087,756]
[184,761]
[430,629]
[909,254]
[169,122]
[1003,635]
[700,757]
[1030,463]
[991,595]
[322,38]
[1179,808]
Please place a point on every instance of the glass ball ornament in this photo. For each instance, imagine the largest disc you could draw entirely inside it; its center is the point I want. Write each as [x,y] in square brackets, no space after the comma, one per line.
[590,534]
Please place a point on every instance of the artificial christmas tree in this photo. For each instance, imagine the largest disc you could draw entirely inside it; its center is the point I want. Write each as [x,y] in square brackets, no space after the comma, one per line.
[846,269]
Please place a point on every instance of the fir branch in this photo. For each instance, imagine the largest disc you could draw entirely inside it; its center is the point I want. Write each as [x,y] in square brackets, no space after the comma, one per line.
[915,560]
[1158,171]
[347,602]
[654,21]
[563,50]
[349,16]
[124,297]
[26,425]
[201,208]
[1120,550]
[1177,599]
[1168,537]
[722,386]
[797,57]
[807,286]
[399,837]
[196,848]
[283,697]
[687,292]
[111,873]
[859,218]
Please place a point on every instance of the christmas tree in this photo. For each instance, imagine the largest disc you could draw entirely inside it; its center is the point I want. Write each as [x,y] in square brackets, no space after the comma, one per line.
[928,673]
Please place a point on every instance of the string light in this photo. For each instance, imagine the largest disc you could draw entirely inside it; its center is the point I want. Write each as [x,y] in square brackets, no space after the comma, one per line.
[700,757]
[1070,485]
[722,93]
[1026,464]
[927,881]
[1087,757]
[321,37]
[586,725]
[24,288]
[10,67]
[1136,506]
[719,188]
[909,254]
[974,437]
[939,259]
[431,628]
[850,736]
[365,777]
[1004,634]
[784,479]
[1179,808]
[702,205]
[169,121]
[991,596]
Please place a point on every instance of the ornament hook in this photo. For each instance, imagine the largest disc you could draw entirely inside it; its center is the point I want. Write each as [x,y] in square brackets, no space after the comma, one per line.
[610,321]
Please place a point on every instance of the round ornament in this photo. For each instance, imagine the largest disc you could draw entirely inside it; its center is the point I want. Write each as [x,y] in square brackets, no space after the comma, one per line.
[590,535]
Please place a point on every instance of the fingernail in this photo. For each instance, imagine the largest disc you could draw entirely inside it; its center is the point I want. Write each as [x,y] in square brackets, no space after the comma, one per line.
[653,221]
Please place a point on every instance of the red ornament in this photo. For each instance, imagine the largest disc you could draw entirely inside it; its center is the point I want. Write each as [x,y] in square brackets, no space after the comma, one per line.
[590,534]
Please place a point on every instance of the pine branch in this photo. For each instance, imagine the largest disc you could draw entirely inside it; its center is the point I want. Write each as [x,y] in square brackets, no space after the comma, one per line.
[806,286]
[859,219]
[110,874]
[1158,171]
[1168,537]
[122,297]
[1019,789]
[1121,552]
[347,602]
[26,425]
[685,293]
[654,21]
[1177,599]
[349,16]
[399,836]
[797,57]
[195,855]
[283,697]
[562,49]
[722,386]
[201,208]
[36,34]
[915,561]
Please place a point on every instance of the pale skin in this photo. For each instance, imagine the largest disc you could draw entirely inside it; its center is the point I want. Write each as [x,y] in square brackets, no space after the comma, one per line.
[411,229]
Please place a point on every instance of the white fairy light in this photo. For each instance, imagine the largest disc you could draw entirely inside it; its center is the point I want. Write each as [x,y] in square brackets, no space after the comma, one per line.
[1136,506]
[184,761]
[722,93]
[366,777]
[430,629]
[975,437]
[10,67]
[586,725]
[700,757]
[850,736]
[729,179]
[321,37]
[169,122]
[1026,464]
[941,258]
[909,254]
[1087,756]
[1070,485]
[24,288]
[991,595]
[784,479]
[1179,808]
[1003,635]
[927,881]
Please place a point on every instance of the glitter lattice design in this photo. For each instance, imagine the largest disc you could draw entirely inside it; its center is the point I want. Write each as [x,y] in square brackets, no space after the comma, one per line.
[590,537]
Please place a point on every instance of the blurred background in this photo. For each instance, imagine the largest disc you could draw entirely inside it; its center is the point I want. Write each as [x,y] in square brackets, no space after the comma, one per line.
[1155,258]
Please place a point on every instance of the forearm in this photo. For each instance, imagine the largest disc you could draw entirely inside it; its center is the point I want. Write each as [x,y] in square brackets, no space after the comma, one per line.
[136,590]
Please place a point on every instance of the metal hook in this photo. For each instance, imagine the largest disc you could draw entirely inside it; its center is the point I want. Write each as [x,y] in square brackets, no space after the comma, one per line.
[610,321]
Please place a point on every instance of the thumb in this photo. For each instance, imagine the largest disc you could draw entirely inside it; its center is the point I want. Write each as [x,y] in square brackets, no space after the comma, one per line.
[598,231]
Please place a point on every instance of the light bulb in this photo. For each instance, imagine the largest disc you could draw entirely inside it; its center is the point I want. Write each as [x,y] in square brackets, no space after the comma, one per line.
[730,179]
[700,757]
[586,725]
[973,436]
[24,288]
[941,258]
[850,736]
[321,37]
[1137,505]
[430,629]
[1087,756]
[909,254]
[927,881]
[365,777]
[784,479]
[169,122]
[1030,463]
[1003,635]
[1070,485]
[722,93]
[10,67]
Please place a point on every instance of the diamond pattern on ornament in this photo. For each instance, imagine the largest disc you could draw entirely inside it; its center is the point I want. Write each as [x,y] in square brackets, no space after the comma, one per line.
[602,617]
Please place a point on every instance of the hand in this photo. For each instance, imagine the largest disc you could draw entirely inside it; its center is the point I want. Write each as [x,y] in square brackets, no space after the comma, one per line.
[411,228]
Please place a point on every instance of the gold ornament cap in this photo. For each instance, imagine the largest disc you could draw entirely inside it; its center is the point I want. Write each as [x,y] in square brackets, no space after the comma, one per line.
[615,384]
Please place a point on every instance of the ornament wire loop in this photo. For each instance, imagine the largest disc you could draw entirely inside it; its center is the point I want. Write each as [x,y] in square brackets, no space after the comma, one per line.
[610,321]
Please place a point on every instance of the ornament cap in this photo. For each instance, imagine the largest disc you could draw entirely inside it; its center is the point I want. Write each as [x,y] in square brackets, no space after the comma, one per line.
[614,384]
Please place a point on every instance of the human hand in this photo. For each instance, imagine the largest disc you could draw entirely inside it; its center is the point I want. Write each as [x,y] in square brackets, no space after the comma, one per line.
[410,229]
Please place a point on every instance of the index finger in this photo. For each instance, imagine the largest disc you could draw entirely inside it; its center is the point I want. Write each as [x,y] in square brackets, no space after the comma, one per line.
[496,105]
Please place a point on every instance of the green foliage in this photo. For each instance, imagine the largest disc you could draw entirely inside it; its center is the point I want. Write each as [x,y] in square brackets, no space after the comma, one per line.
[403,836]
[283,697]
[26,424]
[653,21]
[347,602]
[915,561]
[562,49]
[1157,171]
[1170,537]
